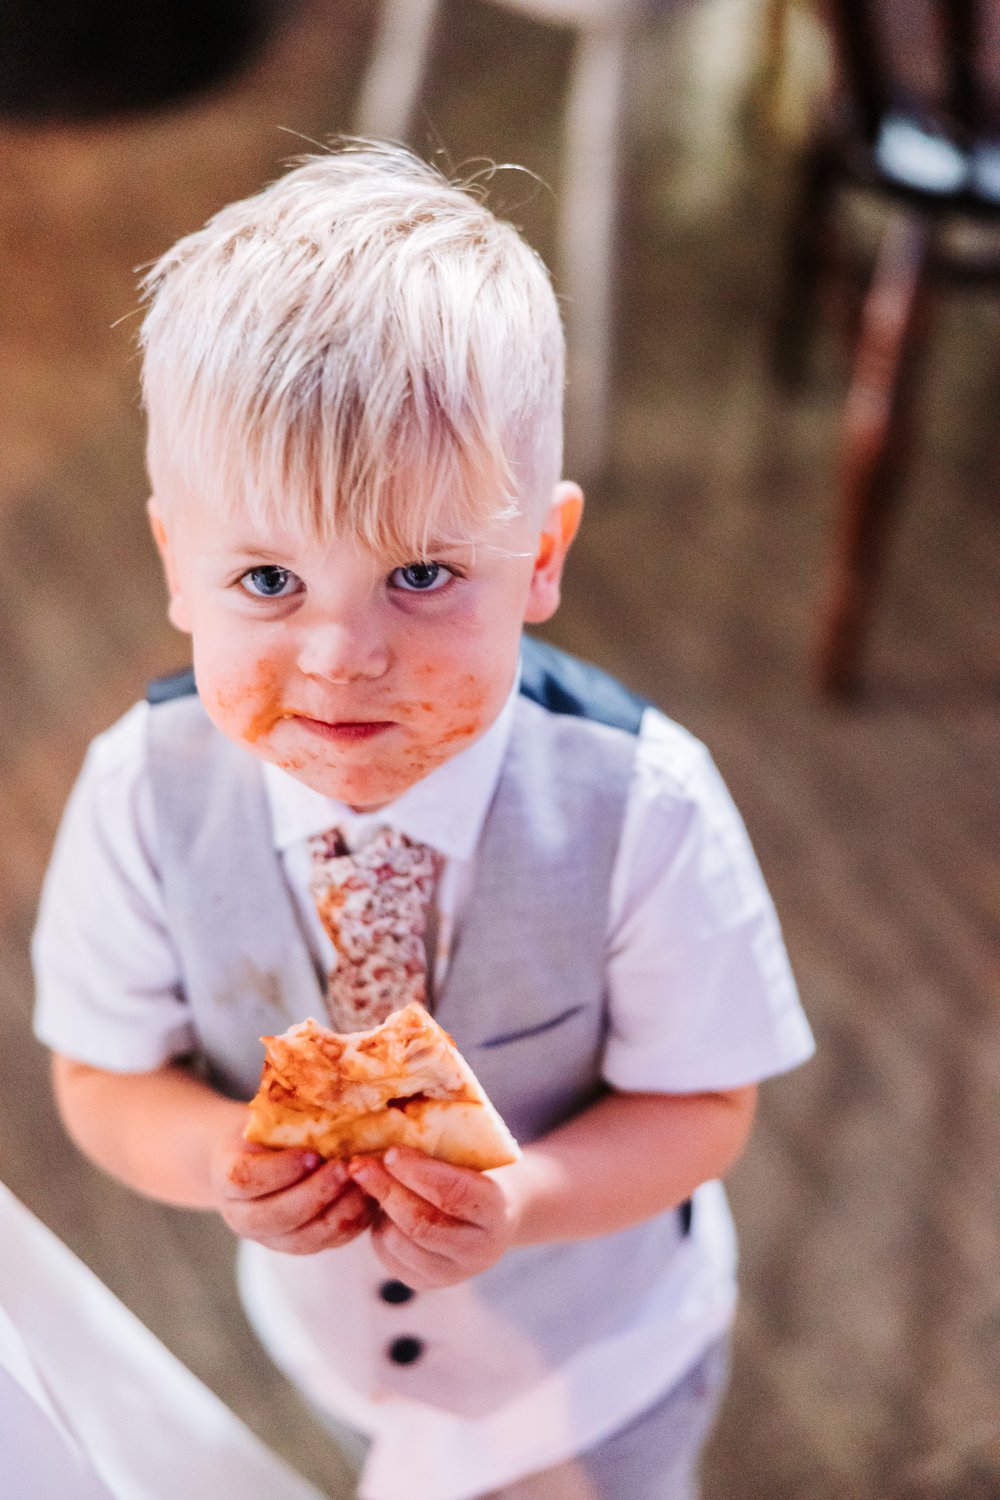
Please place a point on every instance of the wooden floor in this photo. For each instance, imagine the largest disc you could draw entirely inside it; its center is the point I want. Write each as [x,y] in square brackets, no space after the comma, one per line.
[868,1355]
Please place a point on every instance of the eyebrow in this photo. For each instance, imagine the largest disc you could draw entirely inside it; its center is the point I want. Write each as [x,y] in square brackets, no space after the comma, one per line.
[245,551]
[436,544]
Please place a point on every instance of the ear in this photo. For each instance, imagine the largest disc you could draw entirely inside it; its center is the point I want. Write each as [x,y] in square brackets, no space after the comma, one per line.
[177,612]
[559,529]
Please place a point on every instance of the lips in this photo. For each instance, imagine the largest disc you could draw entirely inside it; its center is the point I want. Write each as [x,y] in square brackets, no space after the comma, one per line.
[346,731]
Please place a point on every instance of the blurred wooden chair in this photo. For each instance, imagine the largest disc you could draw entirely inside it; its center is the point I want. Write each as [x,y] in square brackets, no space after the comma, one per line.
[607,31]
[78,60]
[914,120]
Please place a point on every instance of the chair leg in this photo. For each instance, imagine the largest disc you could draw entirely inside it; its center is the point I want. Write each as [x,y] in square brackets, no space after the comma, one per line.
[875,437]
[588,218]
[391,85]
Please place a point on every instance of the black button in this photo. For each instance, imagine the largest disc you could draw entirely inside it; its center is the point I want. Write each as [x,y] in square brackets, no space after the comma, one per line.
[396,1291]
[405,1350]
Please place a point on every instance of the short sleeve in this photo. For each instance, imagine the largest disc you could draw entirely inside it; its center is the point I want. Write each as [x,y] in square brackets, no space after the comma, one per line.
[701,993]
[108,987]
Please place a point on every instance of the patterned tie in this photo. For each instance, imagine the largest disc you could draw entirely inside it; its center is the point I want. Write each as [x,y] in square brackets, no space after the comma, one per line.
[374,905]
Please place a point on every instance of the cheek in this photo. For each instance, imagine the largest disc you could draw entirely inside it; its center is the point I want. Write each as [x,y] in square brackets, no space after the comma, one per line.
[451,705]
[443,690]
[244,705]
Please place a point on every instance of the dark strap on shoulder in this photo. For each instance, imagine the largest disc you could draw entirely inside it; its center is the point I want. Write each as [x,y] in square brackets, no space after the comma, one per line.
[565,685]
[177,685]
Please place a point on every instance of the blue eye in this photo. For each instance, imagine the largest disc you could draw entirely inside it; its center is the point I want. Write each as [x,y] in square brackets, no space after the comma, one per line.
[421,577]
[269,582]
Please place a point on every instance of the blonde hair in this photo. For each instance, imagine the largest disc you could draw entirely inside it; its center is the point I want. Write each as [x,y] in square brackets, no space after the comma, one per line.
[362,346]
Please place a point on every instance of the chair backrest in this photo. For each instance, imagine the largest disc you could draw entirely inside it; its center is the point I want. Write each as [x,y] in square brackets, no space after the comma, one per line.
[935,60]
[75,60]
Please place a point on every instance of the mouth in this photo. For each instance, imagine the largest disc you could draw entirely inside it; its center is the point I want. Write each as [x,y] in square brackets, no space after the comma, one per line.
[345,731]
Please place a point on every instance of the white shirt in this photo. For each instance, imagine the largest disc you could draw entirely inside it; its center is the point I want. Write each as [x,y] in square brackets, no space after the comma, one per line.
[93,1407]
[700,997]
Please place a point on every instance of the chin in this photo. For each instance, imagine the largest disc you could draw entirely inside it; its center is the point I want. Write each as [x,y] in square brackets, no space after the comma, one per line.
[362,777]
[359,790]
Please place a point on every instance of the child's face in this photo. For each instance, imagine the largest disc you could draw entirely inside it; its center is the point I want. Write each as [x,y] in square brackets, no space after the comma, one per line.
[356,674]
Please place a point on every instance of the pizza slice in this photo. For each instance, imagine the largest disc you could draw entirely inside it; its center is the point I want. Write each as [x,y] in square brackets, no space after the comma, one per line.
[403,1083]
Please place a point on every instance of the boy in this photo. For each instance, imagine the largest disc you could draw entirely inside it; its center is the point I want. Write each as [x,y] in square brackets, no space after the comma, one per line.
[353,384]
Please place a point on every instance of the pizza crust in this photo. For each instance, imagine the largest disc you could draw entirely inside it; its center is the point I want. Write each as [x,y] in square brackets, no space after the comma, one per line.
[403,1083]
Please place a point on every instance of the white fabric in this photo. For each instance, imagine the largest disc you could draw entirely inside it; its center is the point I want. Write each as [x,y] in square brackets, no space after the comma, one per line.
[701,997]
[93,1407]
[40,1454]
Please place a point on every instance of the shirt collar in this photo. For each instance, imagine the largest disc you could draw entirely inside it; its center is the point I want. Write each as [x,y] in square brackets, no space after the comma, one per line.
[445,809]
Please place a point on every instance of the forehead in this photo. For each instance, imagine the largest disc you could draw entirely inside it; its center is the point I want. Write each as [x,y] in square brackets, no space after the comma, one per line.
[245,524]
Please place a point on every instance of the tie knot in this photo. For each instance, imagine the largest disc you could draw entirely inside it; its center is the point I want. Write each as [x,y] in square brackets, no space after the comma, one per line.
[328,845]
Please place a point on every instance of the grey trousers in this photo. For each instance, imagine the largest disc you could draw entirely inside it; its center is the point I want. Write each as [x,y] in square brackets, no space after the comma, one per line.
[656,1457]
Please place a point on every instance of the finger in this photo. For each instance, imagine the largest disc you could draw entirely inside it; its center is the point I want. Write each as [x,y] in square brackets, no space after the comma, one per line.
[251,1171]
[406,1208]
[419,1220]
[413,1264]
[288,1209]
[397,1270]
[341,1221]
[457,1191]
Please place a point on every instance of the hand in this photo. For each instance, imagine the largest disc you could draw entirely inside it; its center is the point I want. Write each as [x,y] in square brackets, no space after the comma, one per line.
[288,1200]
[438,1224]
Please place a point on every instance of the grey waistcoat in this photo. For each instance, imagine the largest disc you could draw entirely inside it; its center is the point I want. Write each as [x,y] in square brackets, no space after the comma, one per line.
[524,995]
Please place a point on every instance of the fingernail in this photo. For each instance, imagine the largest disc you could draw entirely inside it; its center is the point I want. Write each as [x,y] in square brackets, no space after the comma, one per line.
[310,1160]
[391,1157]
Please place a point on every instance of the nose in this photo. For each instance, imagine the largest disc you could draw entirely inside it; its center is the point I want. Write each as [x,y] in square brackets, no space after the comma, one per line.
[343,651]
